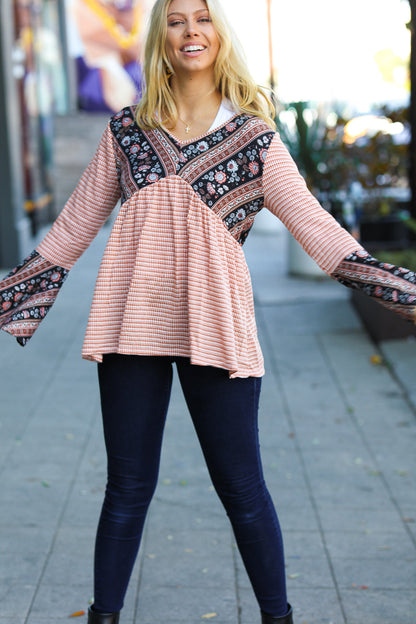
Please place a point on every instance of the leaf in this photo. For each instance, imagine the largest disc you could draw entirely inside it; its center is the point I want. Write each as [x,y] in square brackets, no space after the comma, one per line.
[376,360]
[294,576]
[208,616]
[77,614]
[402,473]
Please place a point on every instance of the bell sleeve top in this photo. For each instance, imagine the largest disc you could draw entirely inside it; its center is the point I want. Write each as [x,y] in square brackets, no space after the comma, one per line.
[173,279]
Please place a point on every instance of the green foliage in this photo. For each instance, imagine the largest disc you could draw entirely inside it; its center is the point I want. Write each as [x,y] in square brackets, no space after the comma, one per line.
[315,137]
[404,257]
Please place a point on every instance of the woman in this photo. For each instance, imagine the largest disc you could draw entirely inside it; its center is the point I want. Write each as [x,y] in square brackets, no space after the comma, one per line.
[192,164]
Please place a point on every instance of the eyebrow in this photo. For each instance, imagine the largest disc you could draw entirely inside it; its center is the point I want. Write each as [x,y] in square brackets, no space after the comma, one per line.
[198,11]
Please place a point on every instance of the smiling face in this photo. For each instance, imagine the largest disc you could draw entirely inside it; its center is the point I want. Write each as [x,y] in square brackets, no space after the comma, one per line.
[192,43]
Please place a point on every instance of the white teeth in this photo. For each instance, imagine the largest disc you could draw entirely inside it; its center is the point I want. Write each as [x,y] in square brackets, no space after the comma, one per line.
[193,48]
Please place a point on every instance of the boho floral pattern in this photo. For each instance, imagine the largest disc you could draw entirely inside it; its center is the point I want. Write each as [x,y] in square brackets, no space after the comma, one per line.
[242,167]
[145,167]
[27,294]
[226,174]
[392,286]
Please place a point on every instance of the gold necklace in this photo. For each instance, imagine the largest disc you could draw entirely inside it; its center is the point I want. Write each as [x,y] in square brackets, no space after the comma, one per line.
[187,125]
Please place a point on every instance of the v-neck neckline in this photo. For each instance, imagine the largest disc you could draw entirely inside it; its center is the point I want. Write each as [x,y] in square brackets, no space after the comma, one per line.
[187,142]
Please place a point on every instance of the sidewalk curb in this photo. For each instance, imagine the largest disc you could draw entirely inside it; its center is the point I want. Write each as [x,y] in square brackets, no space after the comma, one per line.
[401,355]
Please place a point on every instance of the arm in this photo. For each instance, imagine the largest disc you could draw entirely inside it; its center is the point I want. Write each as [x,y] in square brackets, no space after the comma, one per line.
[394,287]
[330,245]
[287,196]
[28,292]
[26,295]
[87,209]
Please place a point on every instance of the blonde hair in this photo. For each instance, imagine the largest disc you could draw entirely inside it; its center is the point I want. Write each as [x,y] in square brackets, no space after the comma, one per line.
[231,74]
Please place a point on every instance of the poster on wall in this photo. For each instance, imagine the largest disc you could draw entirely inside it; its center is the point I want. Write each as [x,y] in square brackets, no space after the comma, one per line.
[104,38]
[41,84]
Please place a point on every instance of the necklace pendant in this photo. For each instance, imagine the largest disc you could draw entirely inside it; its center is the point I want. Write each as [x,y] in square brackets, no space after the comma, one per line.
[187,129]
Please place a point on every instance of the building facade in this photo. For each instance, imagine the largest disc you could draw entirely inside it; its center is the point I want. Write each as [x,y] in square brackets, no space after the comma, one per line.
[33,87]
[55,56]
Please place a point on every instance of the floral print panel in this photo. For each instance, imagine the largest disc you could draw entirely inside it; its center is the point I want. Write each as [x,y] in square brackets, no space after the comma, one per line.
[392,286]
[26,295]
[224,167]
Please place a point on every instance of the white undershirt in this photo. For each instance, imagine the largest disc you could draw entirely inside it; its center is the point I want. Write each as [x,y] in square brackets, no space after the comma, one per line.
[225,112]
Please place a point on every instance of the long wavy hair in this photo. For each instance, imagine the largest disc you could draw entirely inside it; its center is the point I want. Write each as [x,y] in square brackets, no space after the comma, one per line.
[231,74]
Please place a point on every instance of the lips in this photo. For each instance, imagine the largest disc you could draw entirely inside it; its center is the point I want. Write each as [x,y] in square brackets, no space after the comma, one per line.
[193,48]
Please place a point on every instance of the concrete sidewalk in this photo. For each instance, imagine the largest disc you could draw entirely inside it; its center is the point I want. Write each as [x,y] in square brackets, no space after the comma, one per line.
[338,440]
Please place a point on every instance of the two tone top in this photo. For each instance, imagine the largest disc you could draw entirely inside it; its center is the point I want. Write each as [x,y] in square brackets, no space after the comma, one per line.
[173,279]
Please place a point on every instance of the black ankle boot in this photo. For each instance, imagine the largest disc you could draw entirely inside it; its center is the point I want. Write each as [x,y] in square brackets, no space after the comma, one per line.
[283,619]
[102,618]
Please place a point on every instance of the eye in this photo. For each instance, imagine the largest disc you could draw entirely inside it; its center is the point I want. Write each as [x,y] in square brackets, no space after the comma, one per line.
[174,23]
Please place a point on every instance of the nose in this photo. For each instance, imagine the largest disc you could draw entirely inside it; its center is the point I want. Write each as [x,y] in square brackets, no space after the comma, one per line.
[191,30]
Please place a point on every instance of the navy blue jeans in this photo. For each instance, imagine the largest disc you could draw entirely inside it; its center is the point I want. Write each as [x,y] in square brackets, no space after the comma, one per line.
[135,392]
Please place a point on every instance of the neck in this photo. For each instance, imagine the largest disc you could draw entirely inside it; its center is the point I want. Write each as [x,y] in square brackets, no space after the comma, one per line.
[194,96]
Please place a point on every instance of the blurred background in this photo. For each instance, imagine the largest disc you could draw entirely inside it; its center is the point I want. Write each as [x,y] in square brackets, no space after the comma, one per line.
[342,75]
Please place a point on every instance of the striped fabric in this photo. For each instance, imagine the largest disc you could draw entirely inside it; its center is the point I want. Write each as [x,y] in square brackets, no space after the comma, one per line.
[86,211]
[180,287]
[173,279]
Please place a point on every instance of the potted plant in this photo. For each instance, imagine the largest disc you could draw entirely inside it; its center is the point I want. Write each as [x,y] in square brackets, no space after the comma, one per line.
[313,136]
[358,169]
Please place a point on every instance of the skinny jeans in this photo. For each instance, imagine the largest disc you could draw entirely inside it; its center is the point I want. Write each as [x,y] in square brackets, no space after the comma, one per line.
[135,392]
